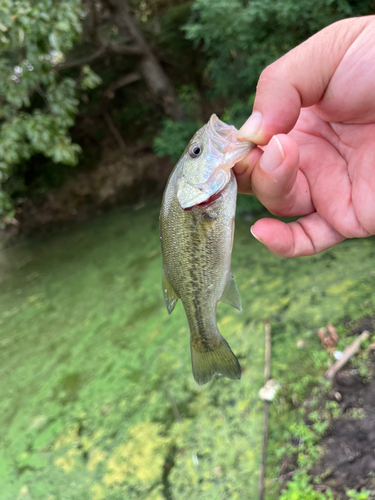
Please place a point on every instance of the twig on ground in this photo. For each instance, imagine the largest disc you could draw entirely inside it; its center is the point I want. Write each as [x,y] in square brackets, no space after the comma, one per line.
[267,354]
[347,354]
[266,405]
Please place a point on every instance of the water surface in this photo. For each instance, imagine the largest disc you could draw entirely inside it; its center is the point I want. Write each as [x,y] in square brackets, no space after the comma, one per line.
[97,397]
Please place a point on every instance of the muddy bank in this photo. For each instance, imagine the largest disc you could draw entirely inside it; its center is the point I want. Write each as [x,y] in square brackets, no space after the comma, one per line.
[349,459]
[121,179]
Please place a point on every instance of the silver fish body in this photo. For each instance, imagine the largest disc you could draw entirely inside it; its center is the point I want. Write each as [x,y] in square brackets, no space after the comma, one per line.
[197,240]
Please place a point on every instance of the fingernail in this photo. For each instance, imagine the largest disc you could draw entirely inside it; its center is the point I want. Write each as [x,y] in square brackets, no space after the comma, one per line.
[255,236]
[251,127]
[273,155]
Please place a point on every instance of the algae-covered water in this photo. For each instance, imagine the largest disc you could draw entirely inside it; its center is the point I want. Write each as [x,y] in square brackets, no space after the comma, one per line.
[97,397]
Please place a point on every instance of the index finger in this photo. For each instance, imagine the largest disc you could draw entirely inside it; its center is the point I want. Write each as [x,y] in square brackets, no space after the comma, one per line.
[299,79]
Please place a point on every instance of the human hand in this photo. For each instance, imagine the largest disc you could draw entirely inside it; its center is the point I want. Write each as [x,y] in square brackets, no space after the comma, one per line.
[315,111]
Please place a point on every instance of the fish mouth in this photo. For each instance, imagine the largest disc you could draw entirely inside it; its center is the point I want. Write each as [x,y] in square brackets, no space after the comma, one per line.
[206,203]
[222,152]
[224,137]
[190,196]
[220,130]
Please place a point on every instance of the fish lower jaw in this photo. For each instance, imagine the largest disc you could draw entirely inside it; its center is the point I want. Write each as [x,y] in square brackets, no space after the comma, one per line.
[206,203]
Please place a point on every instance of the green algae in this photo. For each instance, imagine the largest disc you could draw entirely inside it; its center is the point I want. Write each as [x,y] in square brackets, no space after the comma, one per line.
[97,397]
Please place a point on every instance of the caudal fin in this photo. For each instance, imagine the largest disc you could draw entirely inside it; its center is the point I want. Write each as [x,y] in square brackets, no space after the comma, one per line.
[218,361]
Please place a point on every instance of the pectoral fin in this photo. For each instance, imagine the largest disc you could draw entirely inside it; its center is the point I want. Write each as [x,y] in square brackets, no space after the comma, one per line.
[231,295]
[170,296]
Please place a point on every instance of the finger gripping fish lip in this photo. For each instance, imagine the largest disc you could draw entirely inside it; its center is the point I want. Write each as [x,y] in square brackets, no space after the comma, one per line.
[224,137]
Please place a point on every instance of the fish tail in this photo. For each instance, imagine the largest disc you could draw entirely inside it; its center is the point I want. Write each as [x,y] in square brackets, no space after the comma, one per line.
[209,361]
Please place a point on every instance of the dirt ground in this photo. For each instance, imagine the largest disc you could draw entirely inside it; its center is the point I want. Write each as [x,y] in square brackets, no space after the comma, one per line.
[349,461]
[349,458]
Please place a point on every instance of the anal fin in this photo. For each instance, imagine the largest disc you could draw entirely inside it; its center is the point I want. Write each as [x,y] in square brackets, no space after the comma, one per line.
[170,295]
[231,295]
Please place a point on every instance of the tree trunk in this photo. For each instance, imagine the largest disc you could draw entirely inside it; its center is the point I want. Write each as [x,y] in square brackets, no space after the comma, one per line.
[156,79]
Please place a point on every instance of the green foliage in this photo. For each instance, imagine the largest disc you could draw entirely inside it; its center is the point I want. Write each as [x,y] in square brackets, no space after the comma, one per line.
[362,362]
[238,112]
[300,489]
[188,62]
[190,100]
[209,49]
[241,37]
[137,118]
[90,79]
[174,137]
[38,104]
[5,202]
[358,495]
[248,206]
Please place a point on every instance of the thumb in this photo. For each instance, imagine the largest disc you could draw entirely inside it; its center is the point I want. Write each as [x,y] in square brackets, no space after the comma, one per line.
[298,79]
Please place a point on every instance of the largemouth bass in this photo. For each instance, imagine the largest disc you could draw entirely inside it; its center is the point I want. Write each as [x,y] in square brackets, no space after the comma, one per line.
[196,233]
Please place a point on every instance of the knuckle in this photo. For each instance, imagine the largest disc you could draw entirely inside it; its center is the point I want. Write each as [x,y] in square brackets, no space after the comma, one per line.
[266,76]
[284,206]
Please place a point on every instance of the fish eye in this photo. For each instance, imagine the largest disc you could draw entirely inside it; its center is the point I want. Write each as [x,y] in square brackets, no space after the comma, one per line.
[195,150]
